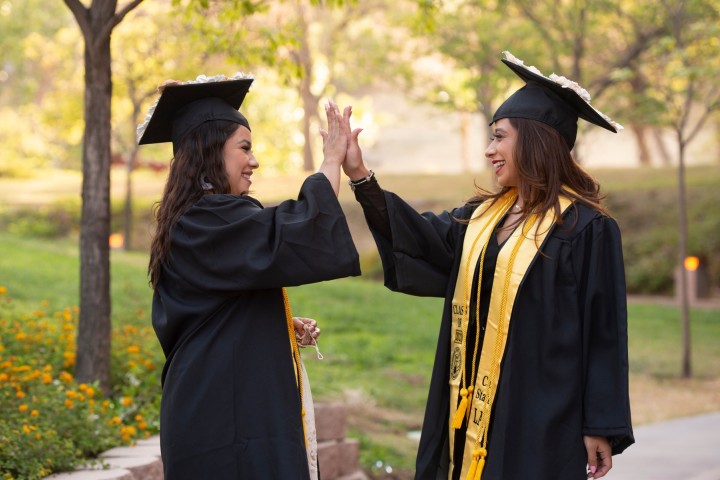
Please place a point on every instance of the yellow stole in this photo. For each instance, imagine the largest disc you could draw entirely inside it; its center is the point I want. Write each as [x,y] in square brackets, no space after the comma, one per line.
[297,361]
[476,394]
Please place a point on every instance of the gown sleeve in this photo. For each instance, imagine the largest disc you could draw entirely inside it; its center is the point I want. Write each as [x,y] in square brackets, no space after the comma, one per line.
[228,243]
[601,277]
[417,250]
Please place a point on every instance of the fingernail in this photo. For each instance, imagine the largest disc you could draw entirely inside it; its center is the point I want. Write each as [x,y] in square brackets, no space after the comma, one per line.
[593,469]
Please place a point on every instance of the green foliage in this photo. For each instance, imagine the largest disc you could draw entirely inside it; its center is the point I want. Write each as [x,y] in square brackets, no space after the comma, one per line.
[48,421]
[49,221]
[648,220]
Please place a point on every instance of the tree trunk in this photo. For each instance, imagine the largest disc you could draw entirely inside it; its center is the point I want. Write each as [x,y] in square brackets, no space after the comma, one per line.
[465,141]
[128,210]
[684,300]
[643,150]
[309,107]
[662,149]
[94,330]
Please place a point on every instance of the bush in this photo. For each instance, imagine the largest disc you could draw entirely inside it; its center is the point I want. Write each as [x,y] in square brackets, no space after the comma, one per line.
[649,223]
[53,221]
[48,421]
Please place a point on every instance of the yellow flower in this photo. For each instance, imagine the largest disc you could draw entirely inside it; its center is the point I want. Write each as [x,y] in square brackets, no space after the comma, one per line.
[23,407]
[65,377]
[133,349]
[20,336]
[115,421]
[126,401]
[69,403]
[142,425]
[20,394]
[46,378]
[3,290]
[35,413]
[69,359]
[4,377]
[71,394]
[127,432]
[26,429]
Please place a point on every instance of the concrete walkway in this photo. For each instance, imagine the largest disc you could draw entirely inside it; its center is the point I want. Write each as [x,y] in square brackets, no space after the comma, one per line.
[680,449]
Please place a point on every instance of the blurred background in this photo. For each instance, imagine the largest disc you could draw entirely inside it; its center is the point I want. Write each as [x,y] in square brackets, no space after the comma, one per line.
[423,77]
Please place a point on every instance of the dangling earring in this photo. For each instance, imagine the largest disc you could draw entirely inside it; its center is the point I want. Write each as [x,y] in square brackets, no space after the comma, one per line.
[205,184]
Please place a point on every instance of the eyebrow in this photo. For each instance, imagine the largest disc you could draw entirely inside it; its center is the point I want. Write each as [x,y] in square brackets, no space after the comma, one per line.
[246,141]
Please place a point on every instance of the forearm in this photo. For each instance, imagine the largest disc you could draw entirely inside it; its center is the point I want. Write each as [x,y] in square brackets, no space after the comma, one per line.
[332,171]
[372,200]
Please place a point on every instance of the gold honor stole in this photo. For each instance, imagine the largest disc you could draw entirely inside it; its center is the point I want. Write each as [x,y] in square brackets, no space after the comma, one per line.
[477,393]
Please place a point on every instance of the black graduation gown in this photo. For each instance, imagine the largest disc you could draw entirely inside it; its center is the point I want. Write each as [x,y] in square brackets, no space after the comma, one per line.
[230,406]
[565,369]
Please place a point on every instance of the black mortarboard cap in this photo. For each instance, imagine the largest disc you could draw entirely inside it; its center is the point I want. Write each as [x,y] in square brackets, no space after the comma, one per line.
[184,106]
[554,100]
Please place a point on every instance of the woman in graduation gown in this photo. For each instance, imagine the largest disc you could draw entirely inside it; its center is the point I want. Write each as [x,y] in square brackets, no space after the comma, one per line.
[530,379]
[234,403]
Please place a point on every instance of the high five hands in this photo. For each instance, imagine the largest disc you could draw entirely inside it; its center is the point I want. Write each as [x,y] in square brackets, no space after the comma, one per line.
[340,136]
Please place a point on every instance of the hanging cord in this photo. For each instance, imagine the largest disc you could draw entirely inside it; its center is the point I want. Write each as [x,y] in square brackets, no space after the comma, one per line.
[466,391]
[296,358]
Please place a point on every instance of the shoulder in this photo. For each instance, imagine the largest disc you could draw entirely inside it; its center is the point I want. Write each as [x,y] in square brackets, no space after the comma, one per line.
[221,209]
[580,219]
[220,201]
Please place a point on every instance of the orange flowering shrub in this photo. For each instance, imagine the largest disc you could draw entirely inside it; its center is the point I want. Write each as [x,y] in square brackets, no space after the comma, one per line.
[48,421]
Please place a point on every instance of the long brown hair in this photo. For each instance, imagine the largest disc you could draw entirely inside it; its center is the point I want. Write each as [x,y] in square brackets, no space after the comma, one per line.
[546,170]
[198,161]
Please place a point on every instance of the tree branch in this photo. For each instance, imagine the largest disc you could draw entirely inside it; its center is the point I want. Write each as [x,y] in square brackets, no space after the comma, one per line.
[81,16]
[116,19]
[632,53]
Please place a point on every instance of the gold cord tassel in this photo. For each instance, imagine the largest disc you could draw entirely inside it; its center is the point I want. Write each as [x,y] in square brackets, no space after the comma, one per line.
[460,412]
[477,465]
[470,396]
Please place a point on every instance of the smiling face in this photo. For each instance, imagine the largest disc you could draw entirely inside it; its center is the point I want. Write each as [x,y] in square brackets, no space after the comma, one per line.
[239,161]
[501,153]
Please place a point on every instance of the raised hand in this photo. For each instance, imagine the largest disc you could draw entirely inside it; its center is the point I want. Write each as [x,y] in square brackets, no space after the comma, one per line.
[353,166]
[335,141]
[335,138]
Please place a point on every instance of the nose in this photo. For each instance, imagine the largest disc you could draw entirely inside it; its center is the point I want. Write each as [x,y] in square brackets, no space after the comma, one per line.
[253,162]
[490,150]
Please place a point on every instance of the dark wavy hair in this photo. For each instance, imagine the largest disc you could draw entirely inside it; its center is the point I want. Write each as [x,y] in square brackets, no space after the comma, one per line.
[198,160]
[546,170]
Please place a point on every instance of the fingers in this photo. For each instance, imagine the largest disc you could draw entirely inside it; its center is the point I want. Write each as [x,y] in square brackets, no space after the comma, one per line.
[306,330]
[354,134]
[599,456]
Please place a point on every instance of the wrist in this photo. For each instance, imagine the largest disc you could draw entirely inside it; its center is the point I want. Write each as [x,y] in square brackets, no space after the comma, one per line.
[362,181]
[358,174]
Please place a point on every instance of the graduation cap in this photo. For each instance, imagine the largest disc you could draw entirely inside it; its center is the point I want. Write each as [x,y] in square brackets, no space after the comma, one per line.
[554,100]
[185,106]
